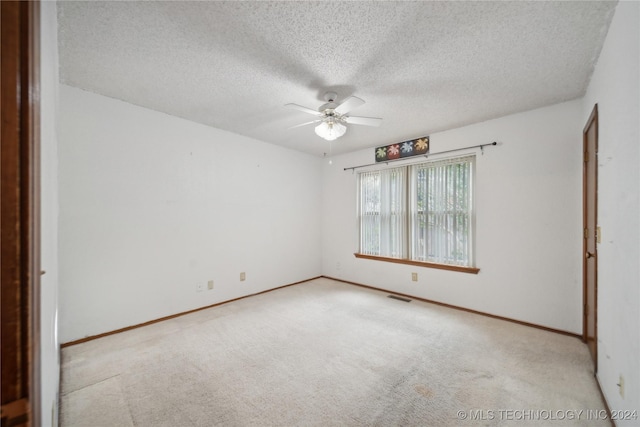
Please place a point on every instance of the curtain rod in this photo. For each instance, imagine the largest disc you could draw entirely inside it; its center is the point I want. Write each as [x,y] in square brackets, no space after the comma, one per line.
[481,146]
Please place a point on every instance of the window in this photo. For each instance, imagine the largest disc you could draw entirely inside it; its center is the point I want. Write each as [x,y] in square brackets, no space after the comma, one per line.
[383,212]
[421,213]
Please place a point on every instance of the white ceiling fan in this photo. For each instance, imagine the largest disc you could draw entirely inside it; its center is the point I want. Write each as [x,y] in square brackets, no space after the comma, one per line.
[333,118]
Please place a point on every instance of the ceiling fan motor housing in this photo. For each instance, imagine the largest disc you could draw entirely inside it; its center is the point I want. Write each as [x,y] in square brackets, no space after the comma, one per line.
[330,97]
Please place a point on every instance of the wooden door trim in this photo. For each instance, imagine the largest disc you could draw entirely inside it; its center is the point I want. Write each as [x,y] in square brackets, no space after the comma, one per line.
[592,121]
[19,213]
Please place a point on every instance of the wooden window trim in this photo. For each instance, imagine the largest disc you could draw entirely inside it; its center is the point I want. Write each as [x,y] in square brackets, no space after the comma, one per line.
[409,235]
[20,214]
[470,270]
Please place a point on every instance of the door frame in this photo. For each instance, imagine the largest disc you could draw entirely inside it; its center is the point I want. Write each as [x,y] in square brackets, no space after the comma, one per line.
[20,213]
[587,156]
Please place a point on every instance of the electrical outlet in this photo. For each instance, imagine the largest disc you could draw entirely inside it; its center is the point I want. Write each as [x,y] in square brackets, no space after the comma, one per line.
[338,266]
[199,287]
[621,386]
[243,276]
[210,284]
[414,277]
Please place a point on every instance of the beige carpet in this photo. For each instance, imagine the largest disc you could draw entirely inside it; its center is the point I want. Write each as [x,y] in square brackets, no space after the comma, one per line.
[324,353]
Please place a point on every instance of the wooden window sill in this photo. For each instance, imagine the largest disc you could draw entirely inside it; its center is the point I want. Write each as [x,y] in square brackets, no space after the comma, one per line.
[471,270]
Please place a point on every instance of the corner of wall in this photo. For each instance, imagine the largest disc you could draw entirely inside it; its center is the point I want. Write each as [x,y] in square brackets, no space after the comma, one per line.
[49,345]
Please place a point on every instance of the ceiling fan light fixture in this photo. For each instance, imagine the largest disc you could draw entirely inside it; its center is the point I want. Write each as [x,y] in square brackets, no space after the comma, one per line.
[334,117]
[330,130]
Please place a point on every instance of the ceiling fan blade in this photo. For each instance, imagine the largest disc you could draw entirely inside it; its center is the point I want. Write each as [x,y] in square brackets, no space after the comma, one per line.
[367,121]
[305,109]
[349,104]
[304,124]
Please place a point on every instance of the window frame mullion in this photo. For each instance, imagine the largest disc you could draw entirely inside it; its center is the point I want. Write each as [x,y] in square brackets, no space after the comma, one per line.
[408,204]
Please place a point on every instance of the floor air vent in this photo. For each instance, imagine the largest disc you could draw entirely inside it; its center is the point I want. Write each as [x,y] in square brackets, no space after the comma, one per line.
[399,298]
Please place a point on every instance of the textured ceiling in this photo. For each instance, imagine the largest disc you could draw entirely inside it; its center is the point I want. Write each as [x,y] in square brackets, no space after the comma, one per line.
[423,67]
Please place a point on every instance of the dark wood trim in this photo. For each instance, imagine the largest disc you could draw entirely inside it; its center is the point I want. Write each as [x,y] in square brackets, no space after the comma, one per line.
[468,310]
[12,299]
[20,218]
[455,307]
[162,319]
[593,116]
[593,120]
[471,270]
[15,409]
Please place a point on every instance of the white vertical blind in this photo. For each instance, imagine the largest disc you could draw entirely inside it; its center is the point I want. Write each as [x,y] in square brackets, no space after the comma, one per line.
[369,212]
[382,212]
[393,212]
[442,211]
[425,209]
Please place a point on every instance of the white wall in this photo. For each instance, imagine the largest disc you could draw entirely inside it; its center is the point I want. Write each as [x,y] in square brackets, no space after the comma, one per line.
[49,346]
[614,87]
[528,239]
[151,205]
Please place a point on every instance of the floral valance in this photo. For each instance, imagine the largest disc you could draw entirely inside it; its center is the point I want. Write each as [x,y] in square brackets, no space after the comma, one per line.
[415,147]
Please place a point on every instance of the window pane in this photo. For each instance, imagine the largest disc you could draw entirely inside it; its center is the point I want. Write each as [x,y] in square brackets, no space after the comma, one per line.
[442,211]
[370,213]
[382,212]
